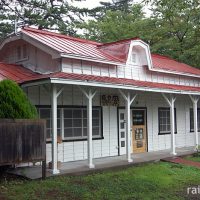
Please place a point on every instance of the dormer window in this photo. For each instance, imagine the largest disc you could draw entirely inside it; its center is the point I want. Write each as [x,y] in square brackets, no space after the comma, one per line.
[133,58]
[19,53]
[22,52]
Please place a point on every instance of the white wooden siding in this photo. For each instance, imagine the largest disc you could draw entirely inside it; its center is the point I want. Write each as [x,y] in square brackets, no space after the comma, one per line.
[37,60]
[136,72]
[77,150]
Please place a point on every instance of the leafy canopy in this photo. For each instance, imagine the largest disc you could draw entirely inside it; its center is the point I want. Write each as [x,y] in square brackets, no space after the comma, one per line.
[178,27]
[14,103]
[50,14]
[114,25]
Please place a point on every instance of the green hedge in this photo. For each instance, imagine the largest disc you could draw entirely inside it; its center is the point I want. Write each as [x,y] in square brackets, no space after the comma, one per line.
[14,103]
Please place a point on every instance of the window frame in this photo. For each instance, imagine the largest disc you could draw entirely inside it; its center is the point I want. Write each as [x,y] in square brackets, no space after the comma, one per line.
[50,128]
[82,127]
[167,132]
[22,53]
[131,58]
[99,137]
[192,130]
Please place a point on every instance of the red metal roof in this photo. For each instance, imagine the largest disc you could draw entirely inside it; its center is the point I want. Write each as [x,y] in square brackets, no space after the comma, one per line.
[17,73]
[168,64]
[119,41]
[69,45]
[22,75]
[109,52]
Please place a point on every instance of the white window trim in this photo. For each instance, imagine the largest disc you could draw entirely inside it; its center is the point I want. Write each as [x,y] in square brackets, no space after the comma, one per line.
[166,131]
[198,122]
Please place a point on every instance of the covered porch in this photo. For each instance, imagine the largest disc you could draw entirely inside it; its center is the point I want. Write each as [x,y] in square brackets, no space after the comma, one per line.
[128,95]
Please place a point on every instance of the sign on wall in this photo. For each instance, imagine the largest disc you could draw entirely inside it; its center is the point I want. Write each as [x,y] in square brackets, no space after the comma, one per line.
[109,100]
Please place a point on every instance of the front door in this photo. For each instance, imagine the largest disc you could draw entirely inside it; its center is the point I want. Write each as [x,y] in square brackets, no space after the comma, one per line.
[139,138]
[122,132]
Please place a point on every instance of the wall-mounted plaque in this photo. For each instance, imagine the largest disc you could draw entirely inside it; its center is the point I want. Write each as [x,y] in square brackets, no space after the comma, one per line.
[139,144]
[109,100]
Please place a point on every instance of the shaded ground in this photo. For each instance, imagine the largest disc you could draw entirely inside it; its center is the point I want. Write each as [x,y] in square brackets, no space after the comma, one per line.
[184,161]
[6,178]
[194,157]
[149,181]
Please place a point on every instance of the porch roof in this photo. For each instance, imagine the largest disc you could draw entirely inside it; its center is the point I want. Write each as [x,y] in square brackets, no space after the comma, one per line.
[22,76]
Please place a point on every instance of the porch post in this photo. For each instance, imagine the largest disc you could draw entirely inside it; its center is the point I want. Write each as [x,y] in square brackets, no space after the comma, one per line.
[89,95]
[195,100]
[171,100]
[129,101]
[54,97]
[89,127]
[54,131]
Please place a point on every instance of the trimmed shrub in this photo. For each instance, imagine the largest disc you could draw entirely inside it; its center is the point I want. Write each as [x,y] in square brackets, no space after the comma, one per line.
[14,103]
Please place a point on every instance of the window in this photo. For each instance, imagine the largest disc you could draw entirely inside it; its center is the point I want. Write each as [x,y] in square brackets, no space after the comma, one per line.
[75,123]
[133,57]
[22,52]
[164,121]
[18,52]
[45,113]
[192,120]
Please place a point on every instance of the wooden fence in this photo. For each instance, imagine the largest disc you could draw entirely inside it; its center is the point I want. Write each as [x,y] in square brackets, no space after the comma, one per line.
[22,141]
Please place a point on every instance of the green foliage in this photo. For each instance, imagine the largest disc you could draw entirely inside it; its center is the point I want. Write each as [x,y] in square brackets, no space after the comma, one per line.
[114,25]
[114,5]
[14,103]
[49,14]
[178,26]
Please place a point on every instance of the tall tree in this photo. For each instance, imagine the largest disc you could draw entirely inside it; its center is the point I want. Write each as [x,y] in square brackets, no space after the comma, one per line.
[114,25]
[52,14]
[113,5]
[178,26]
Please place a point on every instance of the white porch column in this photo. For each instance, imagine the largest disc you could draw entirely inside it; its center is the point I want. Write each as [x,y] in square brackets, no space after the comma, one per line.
[129,100]
[195,100]
[54,97]
[89,95]
[62,123]
[171,100]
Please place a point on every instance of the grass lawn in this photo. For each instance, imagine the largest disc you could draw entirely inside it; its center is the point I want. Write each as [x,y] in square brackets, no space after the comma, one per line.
[148,181]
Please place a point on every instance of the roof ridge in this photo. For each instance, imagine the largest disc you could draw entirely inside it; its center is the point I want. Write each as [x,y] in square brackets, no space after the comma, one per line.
[163,56]
[118,41]
[26,28]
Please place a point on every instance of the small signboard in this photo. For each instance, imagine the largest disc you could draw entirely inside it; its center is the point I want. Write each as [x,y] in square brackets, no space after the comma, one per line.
[109,100]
